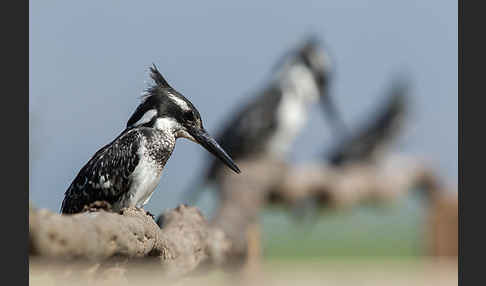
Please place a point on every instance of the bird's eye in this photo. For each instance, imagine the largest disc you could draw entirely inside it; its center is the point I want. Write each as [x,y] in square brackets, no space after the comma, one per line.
[188,116]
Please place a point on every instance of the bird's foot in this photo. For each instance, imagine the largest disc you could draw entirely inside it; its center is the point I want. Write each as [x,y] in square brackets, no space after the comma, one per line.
[97,206]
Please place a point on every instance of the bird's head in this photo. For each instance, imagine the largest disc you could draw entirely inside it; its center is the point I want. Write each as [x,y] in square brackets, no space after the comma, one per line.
[313,56]
[308,64]
[309,69]
[165,109]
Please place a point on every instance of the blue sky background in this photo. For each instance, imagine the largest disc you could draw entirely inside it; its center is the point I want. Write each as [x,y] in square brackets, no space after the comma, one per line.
[89,60]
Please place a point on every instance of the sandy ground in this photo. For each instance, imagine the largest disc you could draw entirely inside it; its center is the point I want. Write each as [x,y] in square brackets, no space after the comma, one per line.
[339,271]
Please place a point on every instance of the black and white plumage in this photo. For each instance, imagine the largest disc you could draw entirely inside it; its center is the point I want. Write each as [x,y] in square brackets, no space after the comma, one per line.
[366,144]
[269,124]
[371,139]
[126,171]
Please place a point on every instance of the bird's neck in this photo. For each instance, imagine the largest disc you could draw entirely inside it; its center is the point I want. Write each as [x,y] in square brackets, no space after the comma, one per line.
[160,145]
[168,127]
[299,83]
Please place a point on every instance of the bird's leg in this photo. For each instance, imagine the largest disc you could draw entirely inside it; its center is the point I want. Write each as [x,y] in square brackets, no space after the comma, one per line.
[97,206]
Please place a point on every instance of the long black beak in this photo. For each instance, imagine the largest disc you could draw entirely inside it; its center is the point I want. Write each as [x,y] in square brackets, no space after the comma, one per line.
[213,147]
[333,116]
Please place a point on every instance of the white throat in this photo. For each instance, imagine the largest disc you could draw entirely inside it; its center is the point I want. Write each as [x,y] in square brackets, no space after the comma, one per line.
[167,125]
[299,81]
[172,128]
[299,92]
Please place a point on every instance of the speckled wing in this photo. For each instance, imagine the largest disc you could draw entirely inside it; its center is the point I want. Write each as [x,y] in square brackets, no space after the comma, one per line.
[248,132]
[106,176]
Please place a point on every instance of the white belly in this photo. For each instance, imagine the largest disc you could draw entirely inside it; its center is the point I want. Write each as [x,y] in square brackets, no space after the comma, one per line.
[299,92]
[292,115]
[145,179]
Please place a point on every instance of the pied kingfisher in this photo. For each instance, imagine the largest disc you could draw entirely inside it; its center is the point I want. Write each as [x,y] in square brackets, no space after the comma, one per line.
[125,172]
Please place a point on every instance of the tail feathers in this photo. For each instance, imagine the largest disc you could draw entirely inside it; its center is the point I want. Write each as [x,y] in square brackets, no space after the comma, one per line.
[379,131]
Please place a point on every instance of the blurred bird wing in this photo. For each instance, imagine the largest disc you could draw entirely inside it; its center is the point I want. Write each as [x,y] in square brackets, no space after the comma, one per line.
[248,131]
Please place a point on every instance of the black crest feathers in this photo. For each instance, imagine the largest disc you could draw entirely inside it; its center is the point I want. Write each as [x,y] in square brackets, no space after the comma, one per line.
[158,78]
[309,44]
